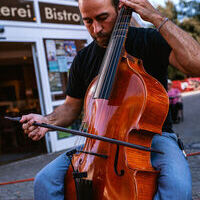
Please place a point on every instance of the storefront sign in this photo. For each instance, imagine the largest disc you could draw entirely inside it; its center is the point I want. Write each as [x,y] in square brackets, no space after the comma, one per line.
[17,10]
[59,14]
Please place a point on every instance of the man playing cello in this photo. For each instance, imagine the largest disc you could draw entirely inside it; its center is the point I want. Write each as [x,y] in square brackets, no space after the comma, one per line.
[157,48]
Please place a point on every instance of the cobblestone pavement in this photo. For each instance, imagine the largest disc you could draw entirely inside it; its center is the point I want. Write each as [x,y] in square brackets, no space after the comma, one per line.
[189,131]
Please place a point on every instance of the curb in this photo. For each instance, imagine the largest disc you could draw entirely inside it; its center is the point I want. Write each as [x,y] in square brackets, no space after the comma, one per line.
[190,93]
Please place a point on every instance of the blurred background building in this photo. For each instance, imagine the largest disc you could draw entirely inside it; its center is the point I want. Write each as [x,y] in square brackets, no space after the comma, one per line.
[38,41]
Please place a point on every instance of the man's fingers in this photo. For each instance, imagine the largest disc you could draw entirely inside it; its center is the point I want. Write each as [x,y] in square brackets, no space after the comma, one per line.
[33,133]
[37,137]
[37,133]
[30,129]
[26,126]
[128,2]
[134,5]
[131,2]
[25,118]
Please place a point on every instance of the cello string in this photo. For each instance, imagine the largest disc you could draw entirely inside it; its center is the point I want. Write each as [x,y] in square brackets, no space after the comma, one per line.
[114,45]
[108,69]
[80,139]
[122,30]
[101,70]
[118,31]
[113,55]
[84,128]
[105,71]
[119,42]
[102,106]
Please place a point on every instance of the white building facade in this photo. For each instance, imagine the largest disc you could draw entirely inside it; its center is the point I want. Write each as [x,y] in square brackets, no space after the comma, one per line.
[43,36]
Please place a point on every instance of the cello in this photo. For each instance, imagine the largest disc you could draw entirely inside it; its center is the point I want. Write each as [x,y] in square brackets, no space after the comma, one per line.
[125,103]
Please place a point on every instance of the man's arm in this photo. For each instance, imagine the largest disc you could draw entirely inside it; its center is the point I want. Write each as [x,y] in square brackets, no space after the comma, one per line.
[63,115]
[185,54]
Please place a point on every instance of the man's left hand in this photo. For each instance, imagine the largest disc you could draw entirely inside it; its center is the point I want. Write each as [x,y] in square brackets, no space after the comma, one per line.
[143,7]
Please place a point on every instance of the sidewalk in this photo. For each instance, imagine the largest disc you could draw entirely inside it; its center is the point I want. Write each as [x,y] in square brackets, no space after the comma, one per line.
[23,169]
[183,94]
[28,169]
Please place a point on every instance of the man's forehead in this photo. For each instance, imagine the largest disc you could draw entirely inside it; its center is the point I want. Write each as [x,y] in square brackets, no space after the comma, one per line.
[94,7]
[83,2]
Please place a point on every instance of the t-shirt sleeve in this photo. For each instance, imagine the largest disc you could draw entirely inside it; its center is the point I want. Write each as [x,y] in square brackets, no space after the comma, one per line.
[75,82]
[157,56]
[158,48]
[148,45]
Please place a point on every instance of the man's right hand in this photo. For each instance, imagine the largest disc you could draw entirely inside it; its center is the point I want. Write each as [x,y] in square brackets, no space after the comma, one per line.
[33,132]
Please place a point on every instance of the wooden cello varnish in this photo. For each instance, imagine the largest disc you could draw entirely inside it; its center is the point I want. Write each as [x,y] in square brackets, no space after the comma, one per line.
[125,103]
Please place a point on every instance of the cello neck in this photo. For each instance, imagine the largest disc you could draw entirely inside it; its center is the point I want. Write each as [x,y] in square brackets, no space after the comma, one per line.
[121,26]
[113,54]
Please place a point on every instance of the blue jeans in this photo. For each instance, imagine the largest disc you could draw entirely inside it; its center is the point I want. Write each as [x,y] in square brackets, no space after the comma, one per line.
[174,182]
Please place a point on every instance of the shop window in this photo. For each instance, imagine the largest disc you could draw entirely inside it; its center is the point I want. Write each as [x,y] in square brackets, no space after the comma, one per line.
[59,56]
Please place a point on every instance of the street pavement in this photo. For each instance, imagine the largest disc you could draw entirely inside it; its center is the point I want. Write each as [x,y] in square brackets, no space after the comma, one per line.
[189,131]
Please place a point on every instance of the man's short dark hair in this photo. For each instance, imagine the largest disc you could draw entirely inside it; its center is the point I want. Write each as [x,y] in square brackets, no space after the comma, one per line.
[115,3]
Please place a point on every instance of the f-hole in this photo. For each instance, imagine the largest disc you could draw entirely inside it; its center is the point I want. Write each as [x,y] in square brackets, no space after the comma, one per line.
[116,163]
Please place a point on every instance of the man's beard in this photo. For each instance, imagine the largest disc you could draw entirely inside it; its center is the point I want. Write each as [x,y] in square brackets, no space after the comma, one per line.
[102,39]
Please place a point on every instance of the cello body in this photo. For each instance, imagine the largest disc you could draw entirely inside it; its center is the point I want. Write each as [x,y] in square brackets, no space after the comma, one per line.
[131,115]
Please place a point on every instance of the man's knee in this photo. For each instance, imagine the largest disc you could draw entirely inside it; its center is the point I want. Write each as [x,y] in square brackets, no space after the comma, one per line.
[40,180]
[184,186]
[48,186]
[49,182]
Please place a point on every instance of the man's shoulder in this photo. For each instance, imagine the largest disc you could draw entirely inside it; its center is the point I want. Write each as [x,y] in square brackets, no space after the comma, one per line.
[142,31]
[139,40]
[83,56]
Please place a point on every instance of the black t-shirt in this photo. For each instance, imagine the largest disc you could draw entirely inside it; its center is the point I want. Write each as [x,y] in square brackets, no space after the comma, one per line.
[142,43]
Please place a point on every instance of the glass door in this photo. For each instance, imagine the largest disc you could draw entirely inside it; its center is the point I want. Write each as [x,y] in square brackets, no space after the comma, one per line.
[20,95]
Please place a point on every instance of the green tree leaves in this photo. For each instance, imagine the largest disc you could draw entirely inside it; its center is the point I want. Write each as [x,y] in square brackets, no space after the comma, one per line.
[186,14]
